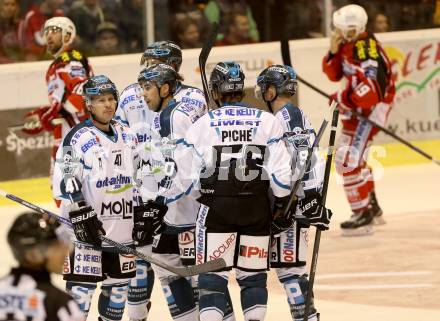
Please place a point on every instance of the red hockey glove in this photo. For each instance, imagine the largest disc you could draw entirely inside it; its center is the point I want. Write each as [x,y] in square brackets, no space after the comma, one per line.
[341,97]
[32,125]
[48,116]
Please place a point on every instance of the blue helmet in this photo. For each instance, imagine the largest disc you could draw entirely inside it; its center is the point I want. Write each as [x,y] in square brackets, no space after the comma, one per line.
[165,51]
[99,85]
[282,77]
[160,74]
[227,78]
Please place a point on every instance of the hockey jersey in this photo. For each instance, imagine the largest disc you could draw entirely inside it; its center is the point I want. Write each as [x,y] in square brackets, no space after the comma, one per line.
[28,294]
[367,69]
[230,151]
[64,79]
[299,136]
[156,133]
[170,127]
[98,168]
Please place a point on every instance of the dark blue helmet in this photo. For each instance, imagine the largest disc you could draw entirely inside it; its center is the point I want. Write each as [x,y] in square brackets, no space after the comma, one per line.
[167,52]
[159,74]
[227,78]
[99,85]
[282,77]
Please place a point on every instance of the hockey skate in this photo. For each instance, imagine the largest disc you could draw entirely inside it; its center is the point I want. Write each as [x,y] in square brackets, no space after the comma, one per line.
[377,211]
[359,224]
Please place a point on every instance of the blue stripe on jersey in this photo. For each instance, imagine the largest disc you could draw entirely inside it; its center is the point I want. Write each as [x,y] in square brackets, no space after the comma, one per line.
[74,130]
[119,119]
[273,140]
[165,119]
[276,181]
[293,116]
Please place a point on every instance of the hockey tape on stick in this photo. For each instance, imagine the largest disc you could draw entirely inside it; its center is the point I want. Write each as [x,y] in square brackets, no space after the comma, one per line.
[185,271]
[203,57]
[285,53]
[328,165]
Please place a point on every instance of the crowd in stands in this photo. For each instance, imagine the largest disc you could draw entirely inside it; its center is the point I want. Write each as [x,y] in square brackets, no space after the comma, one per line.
[108,27]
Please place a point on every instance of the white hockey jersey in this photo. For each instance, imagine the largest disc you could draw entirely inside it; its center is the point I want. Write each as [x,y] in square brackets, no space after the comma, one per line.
[233,133]
[99,169]
[170,127]
[155,132]
[134,112]
[299,136]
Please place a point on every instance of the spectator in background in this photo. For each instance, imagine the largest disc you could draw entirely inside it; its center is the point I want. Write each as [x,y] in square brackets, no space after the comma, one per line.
[107,40]
[33,42]
[238,30]
[130,23]
[86,15]
[10,49]
[219,10]
[187,33]
[380,23]
[189,9]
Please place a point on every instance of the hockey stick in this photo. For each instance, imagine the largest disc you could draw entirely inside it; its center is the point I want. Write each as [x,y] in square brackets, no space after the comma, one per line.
[286,53]
[203,57]
[295,187]
[328,165]
[182,271]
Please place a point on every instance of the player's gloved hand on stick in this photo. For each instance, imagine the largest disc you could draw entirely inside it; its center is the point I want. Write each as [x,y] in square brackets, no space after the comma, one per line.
[86,225]
[315,213]
[148,219]
[281,222]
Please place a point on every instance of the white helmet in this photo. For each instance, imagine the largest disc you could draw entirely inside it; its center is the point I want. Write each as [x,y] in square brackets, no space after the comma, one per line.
[350,17]
[65,24]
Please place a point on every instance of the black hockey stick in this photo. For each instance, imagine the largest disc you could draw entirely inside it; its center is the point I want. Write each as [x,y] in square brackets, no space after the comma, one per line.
[328,165]
[182,271]
[285,53]
[203,57]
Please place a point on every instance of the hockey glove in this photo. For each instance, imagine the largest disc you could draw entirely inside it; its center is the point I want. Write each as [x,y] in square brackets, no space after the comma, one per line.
[86,225]
[315,213]
[32,124]
[281,222]
[50,114]
[148,220]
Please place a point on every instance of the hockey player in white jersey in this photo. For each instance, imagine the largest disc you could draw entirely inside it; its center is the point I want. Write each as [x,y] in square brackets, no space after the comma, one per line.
[236,155]
[159,83]
[276,85]
[93,179]
[134,112]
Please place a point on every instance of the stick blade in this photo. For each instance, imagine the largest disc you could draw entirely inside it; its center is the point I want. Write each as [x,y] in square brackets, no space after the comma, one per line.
[209,266]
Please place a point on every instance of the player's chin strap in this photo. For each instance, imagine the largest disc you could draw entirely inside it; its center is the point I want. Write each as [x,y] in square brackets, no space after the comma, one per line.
[185,271]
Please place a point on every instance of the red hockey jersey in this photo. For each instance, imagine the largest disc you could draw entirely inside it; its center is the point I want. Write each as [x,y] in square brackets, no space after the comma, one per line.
[367,70]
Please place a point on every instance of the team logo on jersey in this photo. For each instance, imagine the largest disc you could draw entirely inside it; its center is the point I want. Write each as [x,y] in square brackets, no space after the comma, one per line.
[298,137]
[119,184]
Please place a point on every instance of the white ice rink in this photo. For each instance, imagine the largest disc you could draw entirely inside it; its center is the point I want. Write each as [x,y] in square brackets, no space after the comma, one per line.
[401,190]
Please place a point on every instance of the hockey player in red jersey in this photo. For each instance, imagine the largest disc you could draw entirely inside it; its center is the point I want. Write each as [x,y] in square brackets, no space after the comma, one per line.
[64,79]
[357,56]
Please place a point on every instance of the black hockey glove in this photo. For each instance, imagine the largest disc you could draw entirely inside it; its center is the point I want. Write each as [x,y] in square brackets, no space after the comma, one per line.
[86,225]
[281,222]
[315,213]
[148,220]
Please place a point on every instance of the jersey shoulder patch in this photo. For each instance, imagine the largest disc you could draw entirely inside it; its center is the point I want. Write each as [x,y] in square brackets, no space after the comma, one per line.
[78,133]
